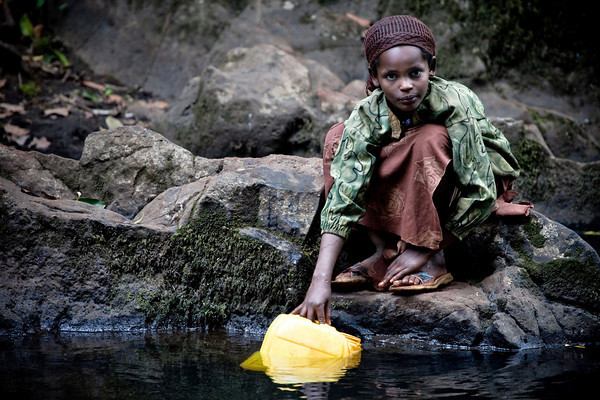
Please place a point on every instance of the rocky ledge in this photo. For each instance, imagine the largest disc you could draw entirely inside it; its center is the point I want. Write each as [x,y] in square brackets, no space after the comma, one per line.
[174,240]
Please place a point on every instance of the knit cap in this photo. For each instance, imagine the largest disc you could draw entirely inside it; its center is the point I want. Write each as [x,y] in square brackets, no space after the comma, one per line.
[397,30]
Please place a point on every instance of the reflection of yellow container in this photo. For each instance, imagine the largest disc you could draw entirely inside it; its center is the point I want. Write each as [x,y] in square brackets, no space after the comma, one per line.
[296,350]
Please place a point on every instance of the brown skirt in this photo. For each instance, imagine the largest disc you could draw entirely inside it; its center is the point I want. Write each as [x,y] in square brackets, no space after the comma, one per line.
[406,184]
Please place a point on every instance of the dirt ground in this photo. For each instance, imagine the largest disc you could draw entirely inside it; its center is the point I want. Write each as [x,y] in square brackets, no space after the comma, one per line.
[49,107]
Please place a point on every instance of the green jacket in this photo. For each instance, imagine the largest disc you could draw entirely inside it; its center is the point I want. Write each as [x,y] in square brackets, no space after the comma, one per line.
[479,153]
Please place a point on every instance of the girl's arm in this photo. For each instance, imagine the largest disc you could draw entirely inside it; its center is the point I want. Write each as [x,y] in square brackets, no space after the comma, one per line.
[317,304]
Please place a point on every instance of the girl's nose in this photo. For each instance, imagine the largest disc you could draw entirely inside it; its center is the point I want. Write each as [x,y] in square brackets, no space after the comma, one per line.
[404,84]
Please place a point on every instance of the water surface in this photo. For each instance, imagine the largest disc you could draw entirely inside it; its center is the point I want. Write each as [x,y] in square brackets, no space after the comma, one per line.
[197,365]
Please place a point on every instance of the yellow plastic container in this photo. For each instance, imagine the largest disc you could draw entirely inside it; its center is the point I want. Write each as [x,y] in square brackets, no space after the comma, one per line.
[295,336]
[297,350]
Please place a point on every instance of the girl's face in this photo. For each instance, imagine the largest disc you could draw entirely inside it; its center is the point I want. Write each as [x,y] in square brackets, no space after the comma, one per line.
[403,75]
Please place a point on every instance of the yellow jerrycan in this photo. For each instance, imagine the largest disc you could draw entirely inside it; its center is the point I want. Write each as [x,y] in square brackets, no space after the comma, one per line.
[297,350]
[295,336]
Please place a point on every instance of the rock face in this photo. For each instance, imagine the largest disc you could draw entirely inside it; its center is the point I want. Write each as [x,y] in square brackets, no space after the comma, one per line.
[253,78]
[191,242]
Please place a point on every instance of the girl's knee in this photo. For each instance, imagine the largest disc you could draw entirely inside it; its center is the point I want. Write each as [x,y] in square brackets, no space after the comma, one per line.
[433,138]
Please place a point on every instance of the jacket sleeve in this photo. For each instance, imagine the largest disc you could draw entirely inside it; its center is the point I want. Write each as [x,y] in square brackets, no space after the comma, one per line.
[460,110]
[352,166]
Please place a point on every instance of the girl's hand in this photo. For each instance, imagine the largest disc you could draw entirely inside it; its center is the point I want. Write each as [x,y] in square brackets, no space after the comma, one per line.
[317,303]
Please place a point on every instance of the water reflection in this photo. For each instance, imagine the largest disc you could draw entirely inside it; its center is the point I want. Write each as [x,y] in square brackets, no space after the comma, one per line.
[298,370]
[207,366]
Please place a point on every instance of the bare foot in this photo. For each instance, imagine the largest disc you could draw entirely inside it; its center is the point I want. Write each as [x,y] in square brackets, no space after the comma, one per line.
[435,268]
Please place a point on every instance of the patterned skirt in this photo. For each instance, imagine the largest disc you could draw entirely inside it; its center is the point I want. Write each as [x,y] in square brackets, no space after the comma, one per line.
[410,190]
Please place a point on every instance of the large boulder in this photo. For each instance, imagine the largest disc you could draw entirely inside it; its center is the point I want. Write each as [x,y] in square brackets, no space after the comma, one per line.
[566,190]
[252,104]
[233,242]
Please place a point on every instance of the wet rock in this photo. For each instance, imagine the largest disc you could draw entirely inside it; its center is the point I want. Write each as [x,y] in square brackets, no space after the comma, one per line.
[235,239]
[516,280]
[561,188]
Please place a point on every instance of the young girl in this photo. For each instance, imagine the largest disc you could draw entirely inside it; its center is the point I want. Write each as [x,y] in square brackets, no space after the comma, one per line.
[417,165]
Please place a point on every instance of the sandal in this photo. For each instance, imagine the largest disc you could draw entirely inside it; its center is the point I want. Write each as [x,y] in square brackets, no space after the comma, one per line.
[352,278]
[427,282]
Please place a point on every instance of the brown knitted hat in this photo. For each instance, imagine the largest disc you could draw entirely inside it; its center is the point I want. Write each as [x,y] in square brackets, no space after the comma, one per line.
[397,30]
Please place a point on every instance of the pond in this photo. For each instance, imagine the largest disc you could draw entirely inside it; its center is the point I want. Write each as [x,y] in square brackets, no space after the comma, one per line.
[201,365]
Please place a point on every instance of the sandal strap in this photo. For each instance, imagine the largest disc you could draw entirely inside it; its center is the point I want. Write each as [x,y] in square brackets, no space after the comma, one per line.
[424,277]
[357,268]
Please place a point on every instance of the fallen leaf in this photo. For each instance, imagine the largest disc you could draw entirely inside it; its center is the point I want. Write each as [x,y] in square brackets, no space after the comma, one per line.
[7,109]
[91,96]
[139,220]
[94,85]
[37,31]
[15,131]
[363,22]
[62,58]
[158,104]
[26,26]
[21,140]
[41,144]
[62,111]
[114,98]
[99,111]
[112,122]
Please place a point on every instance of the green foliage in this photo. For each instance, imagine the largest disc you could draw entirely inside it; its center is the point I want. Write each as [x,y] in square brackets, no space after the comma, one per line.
[30,89]
[26,26]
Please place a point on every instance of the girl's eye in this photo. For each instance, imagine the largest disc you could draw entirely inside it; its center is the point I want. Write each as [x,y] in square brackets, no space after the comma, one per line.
[416,73]
[391,76]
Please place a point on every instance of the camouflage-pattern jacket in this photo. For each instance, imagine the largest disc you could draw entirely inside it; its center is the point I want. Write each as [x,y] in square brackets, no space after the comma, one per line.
[480,154]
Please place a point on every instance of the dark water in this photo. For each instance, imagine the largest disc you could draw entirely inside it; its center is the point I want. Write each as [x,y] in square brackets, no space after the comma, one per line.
[206,366]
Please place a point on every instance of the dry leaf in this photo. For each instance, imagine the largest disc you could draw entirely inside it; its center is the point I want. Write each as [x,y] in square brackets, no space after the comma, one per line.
[114,98]
[37,31]
[158,104]
[7,109]
[21,140]
[15,131]
[62,111]
[112,122]
[40,143]
[363,22]
[94,85]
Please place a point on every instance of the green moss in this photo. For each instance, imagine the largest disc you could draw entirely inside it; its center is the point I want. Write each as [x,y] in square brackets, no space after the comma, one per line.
[572,279]
[532,231]
[536,171]
[210,272]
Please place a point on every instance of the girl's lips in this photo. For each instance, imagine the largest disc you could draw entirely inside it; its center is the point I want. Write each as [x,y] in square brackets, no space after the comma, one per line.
[407,99]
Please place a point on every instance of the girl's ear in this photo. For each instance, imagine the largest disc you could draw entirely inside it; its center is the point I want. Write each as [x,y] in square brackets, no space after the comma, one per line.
[432,66]
[373,78]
